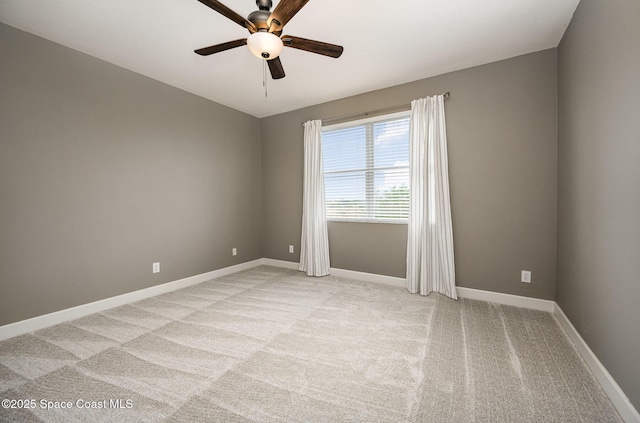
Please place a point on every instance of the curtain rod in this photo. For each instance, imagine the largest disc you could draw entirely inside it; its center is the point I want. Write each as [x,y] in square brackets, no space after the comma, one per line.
[386,110]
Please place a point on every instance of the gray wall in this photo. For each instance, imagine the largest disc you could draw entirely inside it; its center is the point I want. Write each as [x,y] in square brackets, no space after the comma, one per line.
[104,171]
[599,184]
[502,134]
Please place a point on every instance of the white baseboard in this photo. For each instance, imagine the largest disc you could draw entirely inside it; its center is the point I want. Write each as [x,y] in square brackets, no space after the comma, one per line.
[620,401]
[57,317]
[506,299]
[343,273]
[369,277]
[280,263]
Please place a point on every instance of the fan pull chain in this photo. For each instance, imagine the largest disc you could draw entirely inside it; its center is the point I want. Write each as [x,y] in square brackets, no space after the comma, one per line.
[264,77]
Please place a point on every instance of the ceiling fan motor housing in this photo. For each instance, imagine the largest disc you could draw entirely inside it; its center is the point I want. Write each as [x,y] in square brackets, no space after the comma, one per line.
[259,19]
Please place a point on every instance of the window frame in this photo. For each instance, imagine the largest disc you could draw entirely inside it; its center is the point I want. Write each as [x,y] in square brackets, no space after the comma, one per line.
[369,169]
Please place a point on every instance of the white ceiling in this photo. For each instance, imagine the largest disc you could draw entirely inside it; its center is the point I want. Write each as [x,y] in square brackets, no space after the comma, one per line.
[385,43]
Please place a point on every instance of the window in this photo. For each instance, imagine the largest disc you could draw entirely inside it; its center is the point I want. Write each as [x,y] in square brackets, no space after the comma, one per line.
[366,169]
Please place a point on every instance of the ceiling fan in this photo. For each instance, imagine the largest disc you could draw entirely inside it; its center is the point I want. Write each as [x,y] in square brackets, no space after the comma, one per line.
[265,41]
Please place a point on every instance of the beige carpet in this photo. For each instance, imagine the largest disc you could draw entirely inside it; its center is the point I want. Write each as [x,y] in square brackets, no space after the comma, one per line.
[271,345]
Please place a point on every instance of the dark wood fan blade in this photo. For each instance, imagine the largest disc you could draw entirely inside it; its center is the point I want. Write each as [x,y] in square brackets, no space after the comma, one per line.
[221,47]
[284,11]
[318,47]
[225,11]
[275,66]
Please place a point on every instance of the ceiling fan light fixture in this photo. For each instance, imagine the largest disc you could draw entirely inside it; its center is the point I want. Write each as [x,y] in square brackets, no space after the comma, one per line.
[265,45]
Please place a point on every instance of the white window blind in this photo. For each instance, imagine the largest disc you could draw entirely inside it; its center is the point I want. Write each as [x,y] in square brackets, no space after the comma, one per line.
[366,169]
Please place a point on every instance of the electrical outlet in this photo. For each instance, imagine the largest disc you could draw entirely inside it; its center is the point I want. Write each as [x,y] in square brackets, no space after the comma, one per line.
[291,249]
[525,276]
[156,267]
[234,251]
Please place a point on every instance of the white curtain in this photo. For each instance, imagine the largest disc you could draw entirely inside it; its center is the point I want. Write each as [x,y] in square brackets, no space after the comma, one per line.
[430,264]
[314,242]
